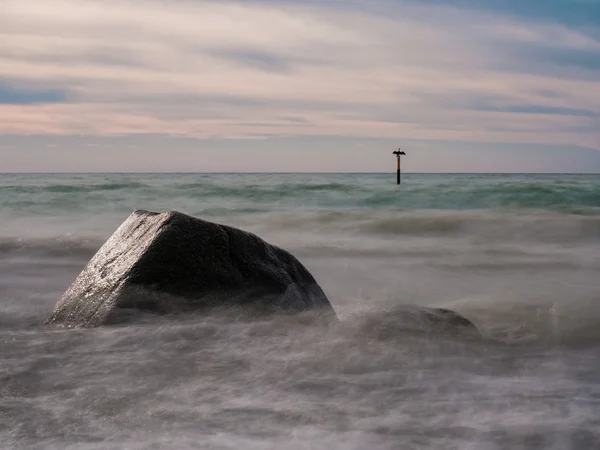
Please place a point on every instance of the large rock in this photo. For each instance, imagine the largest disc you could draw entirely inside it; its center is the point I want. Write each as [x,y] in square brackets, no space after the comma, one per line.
[172,262]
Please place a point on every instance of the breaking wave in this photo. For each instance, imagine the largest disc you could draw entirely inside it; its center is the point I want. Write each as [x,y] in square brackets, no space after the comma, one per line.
[539,226]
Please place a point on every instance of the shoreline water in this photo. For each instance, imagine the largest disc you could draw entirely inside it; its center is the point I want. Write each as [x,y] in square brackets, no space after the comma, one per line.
[518,257]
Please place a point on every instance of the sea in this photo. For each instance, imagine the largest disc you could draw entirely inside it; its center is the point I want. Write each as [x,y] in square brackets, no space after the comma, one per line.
[516,254]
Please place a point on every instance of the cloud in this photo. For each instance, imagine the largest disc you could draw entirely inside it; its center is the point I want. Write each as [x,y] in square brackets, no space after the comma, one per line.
[537,109]
[572,12]
[233,69]
[256,59]
[14,95]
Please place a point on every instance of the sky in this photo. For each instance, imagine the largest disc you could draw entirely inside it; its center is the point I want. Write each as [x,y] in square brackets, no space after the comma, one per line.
[299,86]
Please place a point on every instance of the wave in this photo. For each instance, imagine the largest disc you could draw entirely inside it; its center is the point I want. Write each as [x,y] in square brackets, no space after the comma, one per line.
[570,199]
[545,320]
[576,198]
[349,233]
[70,188]
[542,226]
[50,247]
[267,187]
[335,187]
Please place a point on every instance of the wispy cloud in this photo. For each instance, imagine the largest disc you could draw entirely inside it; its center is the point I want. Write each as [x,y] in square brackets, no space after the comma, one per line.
[11,94]
[233,69]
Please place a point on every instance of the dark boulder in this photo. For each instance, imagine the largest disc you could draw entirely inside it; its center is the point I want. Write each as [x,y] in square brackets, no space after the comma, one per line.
[171,262]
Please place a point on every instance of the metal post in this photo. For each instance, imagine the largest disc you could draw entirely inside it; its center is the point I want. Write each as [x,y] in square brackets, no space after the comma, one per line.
[398,153]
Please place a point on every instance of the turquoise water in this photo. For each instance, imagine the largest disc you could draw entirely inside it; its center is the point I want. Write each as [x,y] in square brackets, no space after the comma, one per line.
[519,255]
[248,193]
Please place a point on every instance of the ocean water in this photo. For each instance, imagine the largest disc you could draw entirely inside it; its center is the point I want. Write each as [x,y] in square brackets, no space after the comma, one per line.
[518,255]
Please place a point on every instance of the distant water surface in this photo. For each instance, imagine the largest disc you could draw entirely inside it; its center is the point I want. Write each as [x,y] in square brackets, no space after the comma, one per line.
[519,255]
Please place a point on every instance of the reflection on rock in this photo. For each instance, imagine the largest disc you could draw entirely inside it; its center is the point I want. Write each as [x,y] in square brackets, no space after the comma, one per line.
[171,262]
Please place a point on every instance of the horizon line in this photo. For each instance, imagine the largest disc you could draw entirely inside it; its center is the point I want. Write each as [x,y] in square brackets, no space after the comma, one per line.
[295,173]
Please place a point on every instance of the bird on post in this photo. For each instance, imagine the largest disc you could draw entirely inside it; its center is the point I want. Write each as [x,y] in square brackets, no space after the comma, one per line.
[398,153]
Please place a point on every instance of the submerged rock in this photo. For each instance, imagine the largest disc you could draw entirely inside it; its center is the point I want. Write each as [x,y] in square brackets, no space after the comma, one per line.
[171,262]
[404,319]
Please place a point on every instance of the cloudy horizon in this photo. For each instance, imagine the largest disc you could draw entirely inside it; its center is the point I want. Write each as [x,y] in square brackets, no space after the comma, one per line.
[274,85]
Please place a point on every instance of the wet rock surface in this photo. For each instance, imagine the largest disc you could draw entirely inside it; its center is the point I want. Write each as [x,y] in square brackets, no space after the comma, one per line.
[172,262]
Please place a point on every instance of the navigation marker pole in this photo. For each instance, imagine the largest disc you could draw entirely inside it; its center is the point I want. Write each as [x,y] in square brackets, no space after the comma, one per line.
[398,153]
